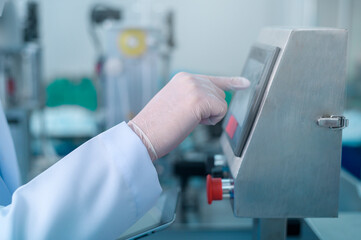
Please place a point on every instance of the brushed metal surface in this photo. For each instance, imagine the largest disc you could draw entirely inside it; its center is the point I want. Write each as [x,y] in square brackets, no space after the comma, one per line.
[291,166]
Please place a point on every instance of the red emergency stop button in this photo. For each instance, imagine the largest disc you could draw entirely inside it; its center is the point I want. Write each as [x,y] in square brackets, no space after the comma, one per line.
[214,189]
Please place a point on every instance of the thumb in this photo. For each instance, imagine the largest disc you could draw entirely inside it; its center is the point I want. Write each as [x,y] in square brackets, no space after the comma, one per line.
[229,83]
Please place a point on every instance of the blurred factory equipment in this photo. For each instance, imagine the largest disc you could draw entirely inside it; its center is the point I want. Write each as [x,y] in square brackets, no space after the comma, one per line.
[133,45]
[282,136]
[20,72]
[20,55]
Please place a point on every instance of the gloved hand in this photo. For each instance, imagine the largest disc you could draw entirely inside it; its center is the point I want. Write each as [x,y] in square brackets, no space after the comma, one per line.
[179,107]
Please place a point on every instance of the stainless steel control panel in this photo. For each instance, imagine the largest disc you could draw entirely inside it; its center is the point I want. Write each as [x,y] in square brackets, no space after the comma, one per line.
[282,137]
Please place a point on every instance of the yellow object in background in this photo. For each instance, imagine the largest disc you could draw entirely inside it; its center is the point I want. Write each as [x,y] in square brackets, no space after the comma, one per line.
[132,42]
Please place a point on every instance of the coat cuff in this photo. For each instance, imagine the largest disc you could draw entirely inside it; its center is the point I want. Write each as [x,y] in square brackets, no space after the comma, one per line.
[134,164]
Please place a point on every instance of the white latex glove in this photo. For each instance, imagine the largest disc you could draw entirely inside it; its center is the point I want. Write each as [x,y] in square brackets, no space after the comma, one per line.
[179,107]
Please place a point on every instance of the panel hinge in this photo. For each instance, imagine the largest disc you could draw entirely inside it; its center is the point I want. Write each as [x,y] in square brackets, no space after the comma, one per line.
[333,122]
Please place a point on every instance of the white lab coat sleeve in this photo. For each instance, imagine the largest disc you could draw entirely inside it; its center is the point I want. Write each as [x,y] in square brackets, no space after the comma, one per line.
[96,192]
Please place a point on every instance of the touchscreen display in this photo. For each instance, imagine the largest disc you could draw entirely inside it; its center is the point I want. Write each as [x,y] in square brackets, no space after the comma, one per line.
[242,100]
[245,104]
[149,220]
[157,218]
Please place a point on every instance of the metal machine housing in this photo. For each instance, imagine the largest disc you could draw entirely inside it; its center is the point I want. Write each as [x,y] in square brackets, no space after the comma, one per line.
[290,165]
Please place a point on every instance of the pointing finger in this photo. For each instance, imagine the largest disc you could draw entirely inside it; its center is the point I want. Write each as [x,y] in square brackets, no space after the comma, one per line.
[228,83]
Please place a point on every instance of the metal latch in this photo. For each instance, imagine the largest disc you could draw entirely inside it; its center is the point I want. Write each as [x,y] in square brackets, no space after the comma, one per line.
[333,122]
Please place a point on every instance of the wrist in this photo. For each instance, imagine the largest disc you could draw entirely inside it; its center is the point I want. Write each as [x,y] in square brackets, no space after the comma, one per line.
[144,138]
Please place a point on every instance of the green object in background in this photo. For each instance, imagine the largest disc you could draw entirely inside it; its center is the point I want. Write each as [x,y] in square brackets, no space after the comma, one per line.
[63,91]
[229,96]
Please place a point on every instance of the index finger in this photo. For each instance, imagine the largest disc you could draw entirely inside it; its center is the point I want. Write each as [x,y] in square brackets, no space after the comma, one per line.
[228,83]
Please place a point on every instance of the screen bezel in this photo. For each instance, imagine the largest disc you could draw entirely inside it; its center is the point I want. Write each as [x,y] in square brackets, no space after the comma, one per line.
[267,55]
